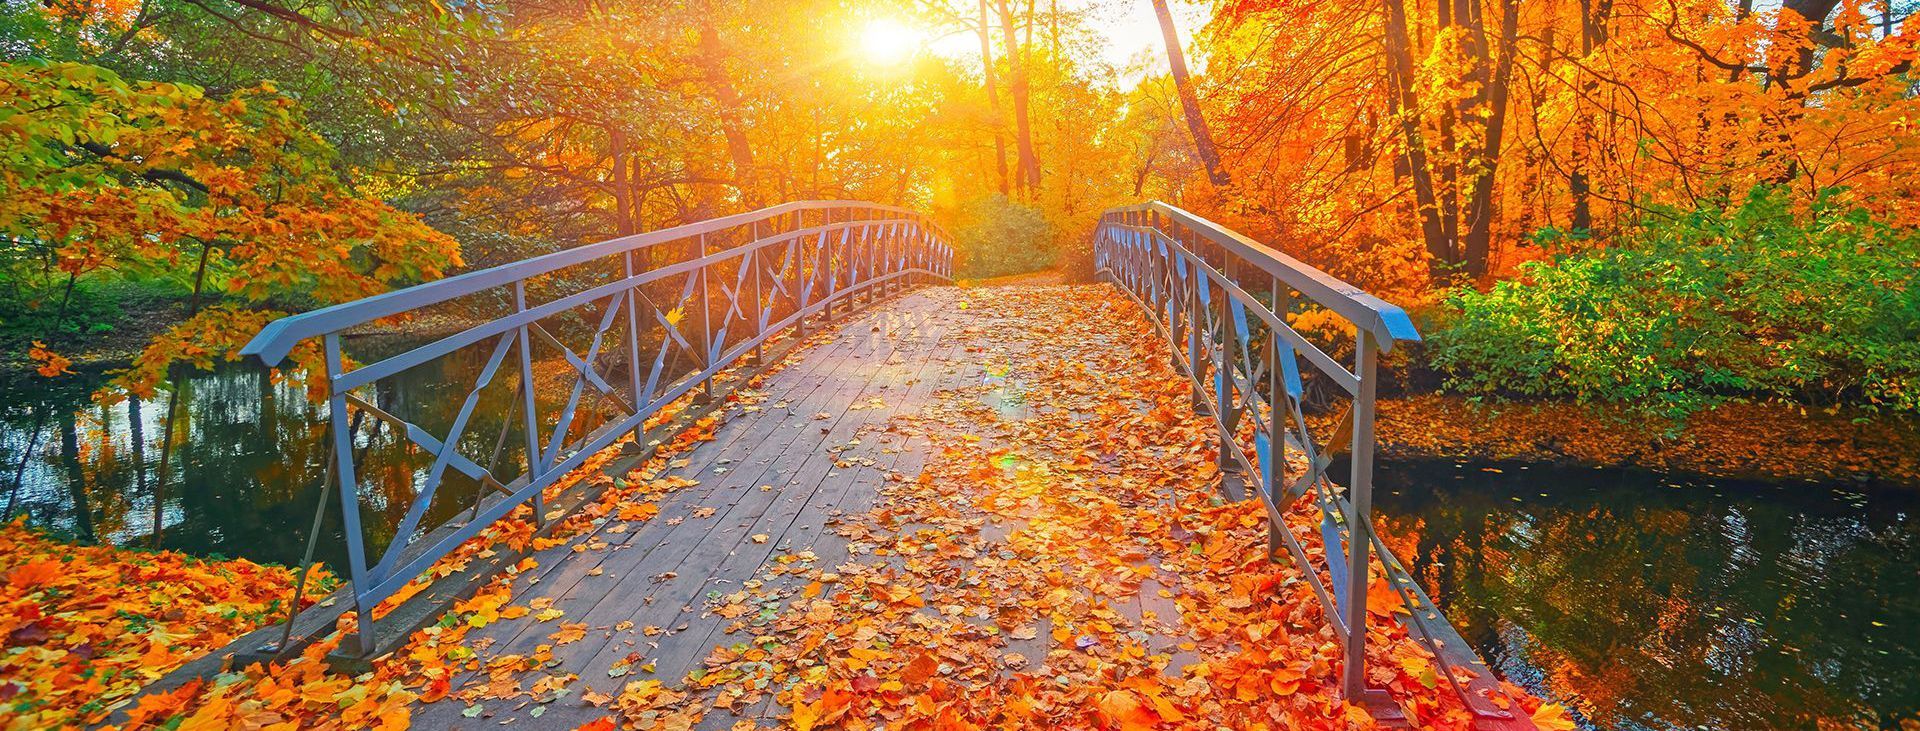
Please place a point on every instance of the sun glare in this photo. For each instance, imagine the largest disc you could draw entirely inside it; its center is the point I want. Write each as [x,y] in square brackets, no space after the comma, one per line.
[888,42]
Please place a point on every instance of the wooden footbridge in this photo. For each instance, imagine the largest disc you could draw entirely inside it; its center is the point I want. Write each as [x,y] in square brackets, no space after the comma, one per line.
[811,325]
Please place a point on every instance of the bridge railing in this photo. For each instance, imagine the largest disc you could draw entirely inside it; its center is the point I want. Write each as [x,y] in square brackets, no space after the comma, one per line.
[1224,302]
[571,351]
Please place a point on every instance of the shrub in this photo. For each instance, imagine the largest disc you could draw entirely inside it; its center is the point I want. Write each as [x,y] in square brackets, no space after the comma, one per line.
[998,236]
[1817,305]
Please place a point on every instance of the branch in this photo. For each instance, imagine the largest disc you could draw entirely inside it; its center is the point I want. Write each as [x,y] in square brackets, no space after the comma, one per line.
[157,175]
[1848,82]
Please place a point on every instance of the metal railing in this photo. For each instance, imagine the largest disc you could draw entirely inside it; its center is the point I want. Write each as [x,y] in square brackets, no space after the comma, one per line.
[682,304]
[1223,301]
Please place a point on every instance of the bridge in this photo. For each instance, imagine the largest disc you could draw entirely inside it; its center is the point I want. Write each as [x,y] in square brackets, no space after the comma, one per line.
[746,464]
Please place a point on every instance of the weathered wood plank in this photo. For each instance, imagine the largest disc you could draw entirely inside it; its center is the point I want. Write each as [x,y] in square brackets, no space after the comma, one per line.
[767,447]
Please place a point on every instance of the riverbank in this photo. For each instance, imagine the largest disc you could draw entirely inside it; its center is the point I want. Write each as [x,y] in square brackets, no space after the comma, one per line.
[85,627]
[1751,441]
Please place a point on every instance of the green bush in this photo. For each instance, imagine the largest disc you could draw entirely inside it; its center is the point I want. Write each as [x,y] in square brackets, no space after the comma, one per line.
[1817,305]
[997,237]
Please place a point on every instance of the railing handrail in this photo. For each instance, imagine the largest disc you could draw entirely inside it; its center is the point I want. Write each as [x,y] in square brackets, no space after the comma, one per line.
[734,297]
[274,342]
[1388,322]
[1198,282]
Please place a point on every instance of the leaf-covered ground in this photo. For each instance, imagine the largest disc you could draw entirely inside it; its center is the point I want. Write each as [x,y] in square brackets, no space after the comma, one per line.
[84,627]
[1059,558]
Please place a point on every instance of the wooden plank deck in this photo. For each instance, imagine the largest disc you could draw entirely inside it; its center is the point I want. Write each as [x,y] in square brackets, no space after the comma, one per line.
[780,472]
[768,482]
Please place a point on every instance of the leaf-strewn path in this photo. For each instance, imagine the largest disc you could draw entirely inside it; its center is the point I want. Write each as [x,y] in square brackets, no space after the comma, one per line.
[986,507]
[974,507]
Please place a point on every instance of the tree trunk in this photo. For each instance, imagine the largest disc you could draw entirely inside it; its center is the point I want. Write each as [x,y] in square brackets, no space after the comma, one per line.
[1593,34]
[1447,176]
[1023,128]
[1189,101]
[622,190]
[1400,69]
[993,99]
[712,65]
[1480,208]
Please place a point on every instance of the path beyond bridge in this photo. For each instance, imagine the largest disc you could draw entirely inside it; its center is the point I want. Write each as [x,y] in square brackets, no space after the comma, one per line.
[916,505]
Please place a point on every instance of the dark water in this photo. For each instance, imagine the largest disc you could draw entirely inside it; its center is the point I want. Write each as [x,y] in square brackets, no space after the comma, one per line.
[1643,602]
[1638,601]
[245,459]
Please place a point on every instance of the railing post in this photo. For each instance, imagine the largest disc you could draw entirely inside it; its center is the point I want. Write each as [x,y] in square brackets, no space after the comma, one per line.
[349,494]
[1176,301]
[829,266]
[633,346]
[536,460]
[706,331]
[1353,679]
[1195,315]
[1227,412]
[1276,423]
[762,310]
[796,262]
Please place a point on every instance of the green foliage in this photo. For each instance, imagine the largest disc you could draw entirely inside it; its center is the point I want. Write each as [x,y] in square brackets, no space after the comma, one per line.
[1817,305]
[87,311]
[998,237]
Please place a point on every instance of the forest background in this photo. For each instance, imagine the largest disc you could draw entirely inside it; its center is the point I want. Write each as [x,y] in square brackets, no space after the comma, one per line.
[1664,203]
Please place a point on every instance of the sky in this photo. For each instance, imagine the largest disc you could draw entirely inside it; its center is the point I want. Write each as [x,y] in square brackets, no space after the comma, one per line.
[1132,32]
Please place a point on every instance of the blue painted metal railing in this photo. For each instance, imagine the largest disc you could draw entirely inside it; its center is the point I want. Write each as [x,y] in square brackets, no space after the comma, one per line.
[683,304]
[1222,301]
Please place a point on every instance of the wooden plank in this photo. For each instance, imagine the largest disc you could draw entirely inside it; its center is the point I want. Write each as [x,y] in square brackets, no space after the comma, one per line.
[840,490]
[757,511]
[827,375]
[913,453]
[713,557]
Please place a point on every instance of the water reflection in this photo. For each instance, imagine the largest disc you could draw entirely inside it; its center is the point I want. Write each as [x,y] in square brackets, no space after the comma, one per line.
[246,456]
[1644,603]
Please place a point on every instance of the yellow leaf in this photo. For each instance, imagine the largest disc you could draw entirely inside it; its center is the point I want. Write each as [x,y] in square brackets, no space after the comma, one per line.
[1552,717]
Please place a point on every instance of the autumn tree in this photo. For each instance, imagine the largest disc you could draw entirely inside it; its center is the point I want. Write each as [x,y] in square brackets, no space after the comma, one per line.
[231,198]
[1472,136]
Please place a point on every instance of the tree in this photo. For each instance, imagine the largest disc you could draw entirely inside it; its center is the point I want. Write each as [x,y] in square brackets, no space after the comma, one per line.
[1017,58]
[232,198]
[1189,101]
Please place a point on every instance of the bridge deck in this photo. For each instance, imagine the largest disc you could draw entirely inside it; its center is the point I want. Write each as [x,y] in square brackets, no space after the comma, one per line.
[769,482]
[888,395]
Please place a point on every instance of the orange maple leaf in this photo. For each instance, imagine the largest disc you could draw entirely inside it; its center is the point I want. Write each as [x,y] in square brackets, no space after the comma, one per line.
[920,670]
[1125,708]
[34,573]
[1383,601]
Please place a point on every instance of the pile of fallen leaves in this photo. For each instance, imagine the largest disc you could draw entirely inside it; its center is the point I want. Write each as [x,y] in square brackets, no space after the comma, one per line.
[86,626]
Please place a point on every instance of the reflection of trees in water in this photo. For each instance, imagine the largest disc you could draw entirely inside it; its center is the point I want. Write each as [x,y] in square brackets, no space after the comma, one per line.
[246,458]
[1646,605]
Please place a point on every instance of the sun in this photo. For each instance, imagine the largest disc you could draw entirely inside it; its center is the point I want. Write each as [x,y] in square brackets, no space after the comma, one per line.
[889,42]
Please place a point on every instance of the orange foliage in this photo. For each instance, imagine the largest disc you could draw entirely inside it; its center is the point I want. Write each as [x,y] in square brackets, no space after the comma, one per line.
[232,195]
[1578,117]
[84,627]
